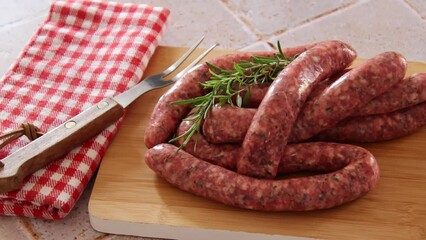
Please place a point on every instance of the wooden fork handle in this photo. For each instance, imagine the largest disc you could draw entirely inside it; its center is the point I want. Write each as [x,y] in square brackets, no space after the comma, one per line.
[57,143]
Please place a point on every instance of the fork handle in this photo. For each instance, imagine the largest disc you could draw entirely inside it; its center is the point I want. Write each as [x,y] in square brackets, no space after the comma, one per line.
[57,143]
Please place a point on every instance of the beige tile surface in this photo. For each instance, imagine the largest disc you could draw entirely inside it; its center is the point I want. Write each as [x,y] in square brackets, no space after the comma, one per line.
[13,228]
[75,225]
[371,26]
[18,10]
[191,19]
[272,17]
[419,6]
[13,38]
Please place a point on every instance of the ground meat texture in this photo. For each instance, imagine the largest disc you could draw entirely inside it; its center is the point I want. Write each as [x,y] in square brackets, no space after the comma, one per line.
[265,140]
[370,128]
[228,124]
[224,155]
[314,156]
[349,93]
[318,157]
[318,90]
[409,92]
[201,178]
[166,117]
[379,127]
[256,94]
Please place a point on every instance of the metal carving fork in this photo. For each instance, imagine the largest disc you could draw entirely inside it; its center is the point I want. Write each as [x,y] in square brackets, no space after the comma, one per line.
[80,128]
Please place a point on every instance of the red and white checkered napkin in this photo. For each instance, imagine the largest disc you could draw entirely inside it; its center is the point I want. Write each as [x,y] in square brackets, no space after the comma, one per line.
[83,52]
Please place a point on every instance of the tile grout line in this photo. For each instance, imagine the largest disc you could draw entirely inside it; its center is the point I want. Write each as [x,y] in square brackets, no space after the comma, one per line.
[40,13]
[234,12]
[411,6]
[29,228]
[266,39]
[315,18]
[104,236]
[261,39]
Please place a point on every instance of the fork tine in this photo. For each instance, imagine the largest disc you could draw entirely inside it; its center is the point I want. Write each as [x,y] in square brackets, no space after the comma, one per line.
[182,58]
[197,60]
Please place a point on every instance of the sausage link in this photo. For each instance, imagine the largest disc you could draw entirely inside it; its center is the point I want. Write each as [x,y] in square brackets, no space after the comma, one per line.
[371,128]
[224,155]
[221,126]
[166,117]
[228,124]
[296,156]
[409,92]
[201,178]
[380,127]
[349,93]
[256,94]
[267,135]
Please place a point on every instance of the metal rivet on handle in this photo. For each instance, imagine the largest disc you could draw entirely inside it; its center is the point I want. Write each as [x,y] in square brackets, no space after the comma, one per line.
[70,124]
[102,104]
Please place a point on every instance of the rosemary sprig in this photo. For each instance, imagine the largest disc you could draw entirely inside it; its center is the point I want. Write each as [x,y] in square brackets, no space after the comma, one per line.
[225,85]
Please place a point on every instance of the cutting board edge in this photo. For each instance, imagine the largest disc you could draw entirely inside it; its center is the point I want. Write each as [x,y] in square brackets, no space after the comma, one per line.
[176,232]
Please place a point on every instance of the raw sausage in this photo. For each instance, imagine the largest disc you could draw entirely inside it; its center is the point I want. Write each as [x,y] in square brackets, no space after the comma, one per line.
[267,135]
[372,128]
[297,157]
[323,191]
[349,93]
[379,127]
[229,124]
[224,155]
[256,93]
[409,92]
[166,117]
[221,126]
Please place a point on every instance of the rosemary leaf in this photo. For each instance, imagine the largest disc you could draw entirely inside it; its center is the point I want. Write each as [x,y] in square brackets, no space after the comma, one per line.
[239,100]
[226,85]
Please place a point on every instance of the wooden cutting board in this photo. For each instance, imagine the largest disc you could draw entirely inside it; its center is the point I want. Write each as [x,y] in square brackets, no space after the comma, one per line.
[128,198]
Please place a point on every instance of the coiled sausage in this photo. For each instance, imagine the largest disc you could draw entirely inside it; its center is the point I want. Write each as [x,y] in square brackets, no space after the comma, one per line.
[379,127]
[409,92]
[267,135]
[166,117]
[201,178]
[349,93]
[228,124]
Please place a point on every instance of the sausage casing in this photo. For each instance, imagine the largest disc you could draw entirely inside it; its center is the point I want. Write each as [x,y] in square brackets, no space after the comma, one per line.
[267,135]
[295,194]
[166,117]
[349,93]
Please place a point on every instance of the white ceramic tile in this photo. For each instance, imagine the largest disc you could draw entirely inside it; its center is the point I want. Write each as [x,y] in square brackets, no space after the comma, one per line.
[190,19]
[419,6]
[371,27]
[12,228]
[16,10]
[272,16]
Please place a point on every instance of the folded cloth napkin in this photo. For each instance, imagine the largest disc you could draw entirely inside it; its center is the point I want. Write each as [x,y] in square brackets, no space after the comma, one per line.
[83,52]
